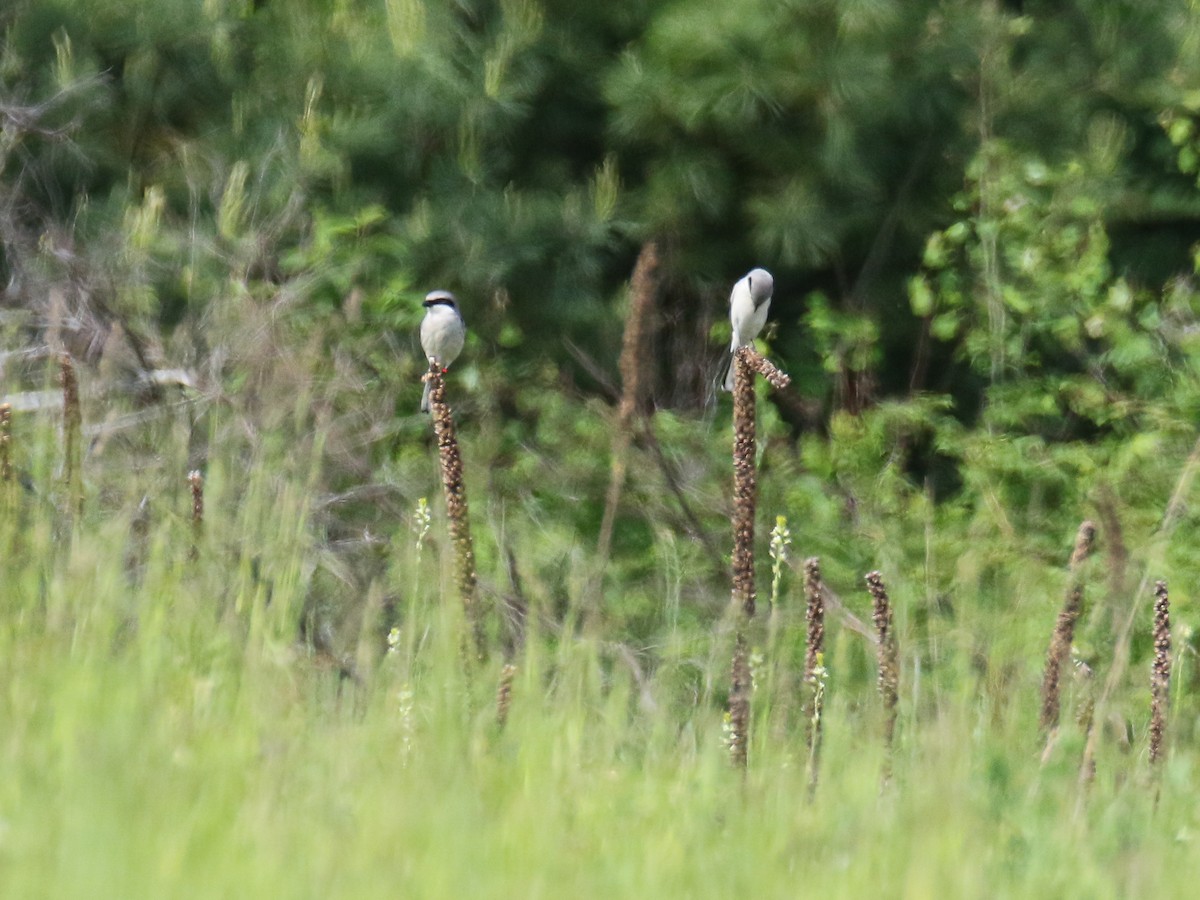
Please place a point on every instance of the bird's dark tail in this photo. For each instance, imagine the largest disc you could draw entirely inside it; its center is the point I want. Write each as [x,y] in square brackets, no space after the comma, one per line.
[724,377]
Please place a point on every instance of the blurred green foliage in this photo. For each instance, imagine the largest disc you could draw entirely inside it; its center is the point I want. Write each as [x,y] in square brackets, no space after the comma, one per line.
[973,212]
[982,218]
[521,150]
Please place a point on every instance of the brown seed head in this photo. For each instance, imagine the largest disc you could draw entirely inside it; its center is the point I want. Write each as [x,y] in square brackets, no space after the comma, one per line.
[1160,673]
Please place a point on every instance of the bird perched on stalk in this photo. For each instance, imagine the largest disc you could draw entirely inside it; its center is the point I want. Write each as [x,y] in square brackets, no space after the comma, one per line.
[442,333]
[748,305]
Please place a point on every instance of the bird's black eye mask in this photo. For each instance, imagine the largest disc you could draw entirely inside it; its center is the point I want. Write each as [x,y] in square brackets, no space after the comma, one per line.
[440,301]
[750,287]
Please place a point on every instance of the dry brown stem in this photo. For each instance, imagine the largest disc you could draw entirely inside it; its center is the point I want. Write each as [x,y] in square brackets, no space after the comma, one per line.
[888,654]
[504,693]
[642,291]
[814,616]
[1064,629]
[456,507]
[1120,661]
[1085,718]
[643,288]
[1160,672]
[813,661]
[739,700]
[744,498]
[196,483]
[745,486]
[6,467]
[72,426]
[764,367]
[746,361]
[1117,555]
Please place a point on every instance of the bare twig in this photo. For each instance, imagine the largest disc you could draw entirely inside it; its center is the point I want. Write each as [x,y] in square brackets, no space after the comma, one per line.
[602,378]
[515,608]
[694,528]
[834,605]
[1116,552]
[27,120]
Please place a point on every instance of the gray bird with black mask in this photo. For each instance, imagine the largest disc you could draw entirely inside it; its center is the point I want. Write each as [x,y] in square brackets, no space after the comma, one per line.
[442,333]
[748,305]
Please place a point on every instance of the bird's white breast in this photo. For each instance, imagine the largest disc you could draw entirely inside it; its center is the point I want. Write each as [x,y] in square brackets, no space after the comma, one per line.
[442,334]
[747,320]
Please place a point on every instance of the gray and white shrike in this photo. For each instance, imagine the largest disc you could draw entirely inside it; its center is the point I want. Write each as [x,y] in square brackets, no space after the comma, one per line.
[442,333]
[748,305]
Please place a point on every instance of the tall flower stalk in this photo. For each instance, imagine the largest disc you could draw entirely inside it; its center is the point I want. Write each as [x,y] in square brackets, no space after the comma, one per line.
[815,674]
[746,361]
[1059,650]
[1160,673]
[457,516]
[889,665]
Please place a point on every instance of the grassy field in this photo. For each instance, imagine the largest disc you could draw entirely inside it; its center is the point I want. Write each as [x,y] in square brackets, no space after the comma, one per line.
[165,732]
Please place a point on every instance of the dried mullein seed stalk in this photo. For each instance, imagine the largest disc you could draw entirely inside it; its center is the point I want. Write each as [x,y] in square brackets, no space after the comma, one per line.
[643,288]
[72,427]
[746,361]
[456,508]
[504,693]
[196,483]
[768,370]
[6,466]
[1064,629]
[1160,673]
[814,667]
[745,486]
[889,662]
[739,701]
[745,492]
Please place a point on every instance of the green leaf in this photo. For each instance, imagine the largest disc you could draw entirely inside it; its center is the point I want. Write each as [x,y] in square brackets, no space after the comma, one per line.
[944,327]
[920,296]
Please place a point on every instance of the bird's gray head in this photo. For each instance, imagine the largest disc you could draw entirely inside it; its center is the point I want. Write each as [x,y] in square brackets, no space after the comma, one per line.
[761,285]
[443,298]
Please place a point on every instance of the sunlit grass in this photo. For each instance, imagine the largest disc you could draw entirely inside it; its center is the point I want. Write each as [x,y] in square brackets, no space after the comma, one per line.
[165,733]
